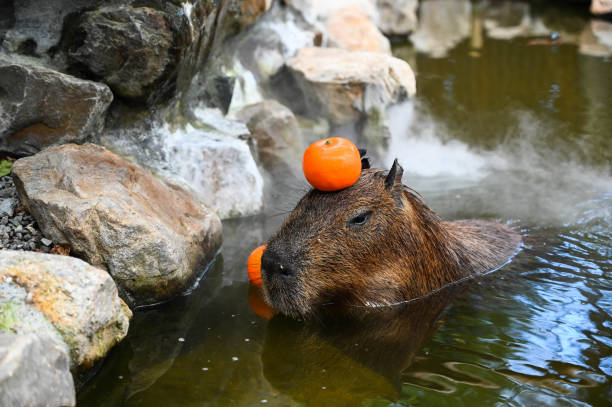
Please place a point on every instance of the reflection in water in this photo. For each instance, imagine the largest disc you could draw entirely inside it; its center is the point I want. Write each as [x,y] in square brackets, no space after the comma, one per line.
[350,357]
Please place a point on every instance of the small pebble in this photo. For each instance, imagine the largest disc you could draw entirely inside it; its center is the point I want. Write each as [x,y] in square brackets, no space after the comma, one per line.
[18,231]
[181,339]
[46,241]
[205,369]
[234,358]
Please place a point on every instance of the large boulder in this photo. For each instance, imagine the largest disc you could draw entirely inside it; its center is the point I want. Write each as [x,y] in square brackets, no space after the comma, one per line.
[40,107]
[601,6]
[154,238]
[352,29]
[442,25]
[34,27]
[342,85]
[220,169]
[64,299]
[276,131]
[397,17]
[34,371]
[211,155]
[128,47]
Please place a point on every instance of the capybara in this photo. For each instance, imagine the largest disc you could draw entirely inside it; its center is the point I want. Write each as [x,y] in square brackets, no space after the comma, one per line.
[374,243]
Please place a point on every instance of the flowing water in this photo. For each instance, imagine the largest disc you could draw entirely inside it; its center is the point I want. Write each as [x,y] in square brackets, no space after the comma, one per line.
[500,130]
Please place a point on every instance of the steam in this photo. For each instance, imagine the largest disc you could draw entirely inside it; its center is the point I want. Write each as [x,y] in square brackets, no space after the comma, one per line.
[523,179]
[419,144]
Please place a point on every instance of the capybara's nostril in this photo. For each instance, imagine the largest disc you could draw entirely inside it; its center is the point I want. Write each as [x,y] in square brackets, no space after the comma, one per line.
[273,264]
[285,270]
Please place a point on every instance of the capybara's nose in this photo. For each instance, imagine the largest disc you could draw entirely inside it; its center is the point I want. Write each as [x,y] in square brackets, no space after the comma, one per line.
[275,264]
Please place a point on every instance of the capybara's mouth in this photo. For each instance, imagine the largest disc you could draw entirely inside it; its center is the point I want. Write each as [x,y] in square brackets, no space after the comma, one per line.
[284,295]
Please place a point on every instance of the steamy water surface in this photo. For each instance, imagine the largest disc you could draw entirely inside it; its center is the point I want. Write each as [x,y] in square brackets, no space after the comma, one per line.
[500,130]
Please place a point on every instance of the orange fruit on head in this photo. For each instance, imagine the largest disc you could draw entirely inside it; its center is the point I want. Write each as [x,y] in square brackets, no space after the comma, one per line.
[254,266]
[332,164]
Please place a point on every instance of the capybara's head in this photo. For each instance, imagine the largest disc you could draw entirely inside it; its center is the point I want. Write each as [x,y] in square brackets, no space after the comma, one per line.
[348,246]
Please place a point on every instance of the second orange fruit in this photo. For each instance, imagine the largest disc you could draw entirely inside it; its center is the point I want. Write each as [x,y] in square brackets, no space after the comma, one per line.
[254,266]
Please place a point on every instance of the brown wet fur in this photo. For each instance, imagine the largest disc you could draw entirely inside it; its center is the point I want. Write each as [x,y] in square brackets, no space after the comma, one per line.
[403,251]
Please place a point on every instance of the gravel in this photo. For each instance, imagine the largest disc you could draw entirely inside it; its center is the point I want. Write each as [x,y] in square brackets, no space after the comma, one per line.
[18,230]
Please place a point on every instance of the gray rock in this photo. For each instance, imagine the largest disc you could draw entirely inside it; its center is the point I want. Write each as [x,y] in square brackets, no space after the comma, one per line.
[219,168]
[18,314]
[128,47]
[276,131]
[601,7]
[352,29]
[442,25]
[35,27]
[34,371]
[7,206]
[40,107]
[80,302]
[212,157]
[397,17]
[343,86]
[154,238]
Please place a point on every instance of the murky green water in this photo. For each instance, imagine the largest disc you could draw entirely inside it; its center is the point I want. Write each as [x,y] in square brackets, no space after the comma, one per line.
[505,131]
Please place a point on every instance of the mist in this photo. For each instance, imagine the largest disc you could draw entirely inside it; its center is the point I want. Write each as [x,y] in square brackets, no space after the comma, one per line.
[522,179]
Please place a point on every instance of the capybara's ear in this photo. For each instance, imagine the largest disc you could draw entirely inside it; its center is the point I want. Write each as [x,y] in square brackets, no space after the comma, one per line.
[394,176]
[365,161]
[393,182]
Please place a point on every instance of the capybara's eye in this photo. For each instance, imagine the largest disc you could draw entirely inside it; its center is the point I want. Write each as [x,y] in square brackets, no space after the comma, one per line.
[360,219]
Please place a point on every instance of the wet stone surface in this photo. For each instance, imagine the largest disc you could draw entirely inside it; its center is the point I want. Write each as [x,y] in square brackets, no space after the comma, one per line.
[18,229]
